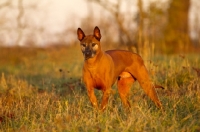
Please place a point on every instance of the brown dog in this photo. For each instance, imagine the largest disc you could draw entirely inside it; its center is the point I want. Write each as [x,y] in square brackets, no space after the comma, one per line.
[101,69]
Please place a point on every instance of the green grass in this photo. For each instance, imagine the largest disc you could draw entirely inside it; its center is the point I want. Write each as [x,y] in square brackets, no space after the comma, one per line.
[41,90]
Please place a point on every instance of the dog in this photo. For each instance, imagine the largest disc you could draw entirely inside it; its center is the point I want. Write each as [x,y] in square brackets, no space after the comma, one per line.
[102,69]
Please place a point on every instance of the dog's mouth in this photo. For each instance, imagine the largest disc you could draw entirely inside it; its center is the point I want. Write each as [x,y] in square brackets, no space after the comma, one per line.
[87,57]
[89,54]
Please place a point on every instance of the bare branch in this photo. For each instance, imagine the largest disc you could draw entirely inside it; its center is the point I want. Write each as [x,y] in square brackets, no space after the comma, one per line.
[19,20]
[106,5]
[114,9]
[7,3]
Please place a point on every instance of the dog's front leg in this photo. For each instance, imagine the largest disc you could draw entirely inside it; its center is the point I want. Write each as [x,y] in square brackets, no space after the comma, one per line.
[92,97]
[106,94]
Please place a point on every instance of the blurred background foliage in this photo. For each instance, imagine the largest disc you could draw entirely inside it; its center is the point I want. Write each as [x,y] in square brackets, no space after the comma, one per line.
[161,27]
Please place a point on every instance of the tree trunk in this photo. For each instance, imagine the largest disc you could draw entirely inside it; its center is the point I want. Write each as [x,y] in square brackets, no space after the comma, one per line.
[176,32]
[141,25]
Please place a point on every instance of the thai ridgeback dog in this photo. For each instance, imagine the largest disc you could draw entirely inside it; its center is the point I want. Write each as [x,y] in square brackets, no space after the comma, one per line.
[102,69]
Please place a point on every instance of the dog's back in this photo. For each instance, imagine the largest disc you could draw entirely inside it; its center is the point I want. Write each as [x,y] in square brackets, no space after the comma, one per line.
[124,60]
[123,56]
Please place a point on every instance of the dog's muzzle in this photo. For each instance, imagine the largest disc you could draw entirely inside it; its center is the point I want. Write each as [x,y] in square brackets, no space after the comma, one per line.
[88,54]
[89,51]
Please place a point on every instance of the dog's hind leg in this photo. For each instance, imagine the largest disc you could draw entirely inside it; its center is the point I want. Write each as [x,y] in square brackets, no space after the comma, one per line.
[124,83]
[141,74]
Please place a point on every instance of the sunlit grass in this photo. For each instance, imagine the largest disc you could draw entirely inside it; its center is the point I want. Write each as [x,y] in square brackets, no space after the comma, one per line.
[41,90]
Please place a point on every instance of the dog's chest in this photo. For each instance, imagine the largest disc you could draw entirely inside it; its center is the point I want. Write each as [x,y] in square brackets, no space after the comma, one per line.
[97,79]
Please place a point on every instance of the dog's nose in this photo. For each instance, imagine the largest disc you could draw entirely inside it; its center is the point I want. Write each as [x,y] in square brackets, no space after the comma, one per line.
[87,52]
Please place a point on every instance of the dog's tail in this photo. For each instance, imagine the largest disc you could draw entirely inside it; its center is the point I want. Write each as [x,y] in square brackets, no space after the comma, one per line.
[158,86]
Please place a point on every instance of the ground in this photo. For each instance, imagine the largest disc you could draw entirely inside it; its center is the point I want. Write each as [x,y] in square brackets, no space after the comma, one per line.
[41,90]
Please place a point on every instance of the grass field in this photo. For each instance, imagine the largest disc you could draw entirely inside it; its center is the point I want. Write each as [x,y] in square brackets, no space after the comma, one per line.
[41,90]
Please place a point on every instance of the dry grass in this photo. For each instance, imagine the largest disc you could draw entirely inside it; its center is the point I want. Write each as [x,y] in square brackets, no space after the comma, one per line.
[41,90]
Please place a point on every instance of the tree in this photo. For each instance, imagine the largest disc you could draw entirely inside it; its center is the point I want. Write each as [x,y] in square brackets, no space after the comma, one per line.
[17,22]
[176,32]
[124,31]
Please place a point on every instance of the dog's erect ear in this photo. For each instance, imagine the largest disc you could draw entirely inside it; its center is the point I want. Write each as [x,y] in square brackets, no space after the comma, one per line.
[97,33]
[80,34]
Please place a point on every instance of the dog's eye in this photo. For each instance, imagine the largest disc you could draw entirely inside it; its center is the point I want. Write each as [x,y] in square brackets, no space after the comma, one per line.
[84,45]
[93,44]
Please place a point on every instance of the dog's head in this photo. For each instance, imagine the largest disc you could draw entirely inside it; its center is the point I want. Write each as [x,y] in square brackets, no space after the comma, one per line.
[90,45]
